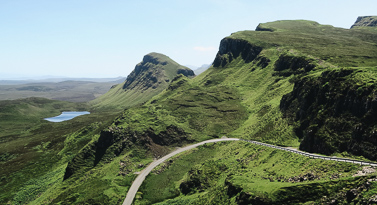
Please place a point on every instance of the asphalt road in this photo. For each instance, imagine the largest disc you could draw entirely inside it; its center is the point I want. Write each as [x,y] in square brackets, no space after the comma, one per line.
[315,156]
[139,179]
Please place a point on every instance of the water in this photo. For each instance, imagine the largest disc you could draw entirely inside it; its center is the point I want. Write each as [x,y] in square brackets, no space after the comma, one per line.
[66,116]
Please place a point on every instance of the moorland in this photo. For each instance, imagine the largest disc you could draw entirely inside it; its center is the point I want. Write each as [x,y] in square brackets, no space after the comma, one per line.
[295,83]
[64,89]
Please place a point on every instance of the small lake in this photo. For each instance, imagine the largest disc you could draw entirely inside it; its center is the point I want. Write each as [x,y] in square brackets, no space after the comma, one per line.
[66,116]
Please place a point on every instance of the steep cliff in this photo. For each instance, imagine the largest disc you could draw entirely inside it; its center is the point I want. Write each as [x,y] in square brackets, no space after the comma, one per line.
[290,83]
[115,141]
[153,71]
[335,112]
[230,49]
[149,78]
[365,21]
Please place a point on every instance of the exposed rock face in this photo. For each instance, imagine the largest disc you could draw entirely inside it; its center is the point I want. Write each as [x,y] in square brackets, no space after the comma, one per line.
[232,48]
[153,71]
[288,64]
[201,69]
[114,141]
[334,114]
[261,28]
[150,77]
[370,21]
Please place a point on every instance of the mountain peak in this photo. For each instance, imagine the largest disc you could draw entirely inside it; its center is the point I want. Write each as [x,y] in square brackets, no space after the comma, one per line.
[155,68]
[151,76]
[156,58]
[365,21]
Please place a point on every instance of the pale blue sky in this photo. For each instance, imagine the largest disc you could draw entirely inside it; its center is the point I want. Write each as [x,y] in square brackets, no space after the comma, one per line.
[96,38]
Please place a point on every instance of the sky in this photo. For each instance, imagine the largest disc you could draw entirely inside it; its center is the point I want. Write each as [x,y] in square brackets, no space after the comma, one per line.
[102,39]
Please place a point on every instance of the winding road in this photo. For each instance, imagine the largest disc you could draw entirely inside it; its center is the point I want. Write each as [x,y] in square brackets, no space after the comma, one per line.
[139,179]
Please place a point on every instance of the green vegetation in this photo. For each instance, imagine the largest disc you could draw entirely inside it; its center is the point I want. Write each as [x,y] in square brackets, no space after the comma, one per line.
[337,108]
[342,47]
[240,172]
[72,91]
[150,77]
[20,115]
[30,145]
[365,22]
[284,84]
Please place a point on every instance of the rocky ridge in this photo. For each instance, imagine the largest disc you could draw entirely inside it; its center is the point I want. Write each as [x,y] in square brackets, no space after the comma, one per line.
[151,76]
[365,21]
[154,70]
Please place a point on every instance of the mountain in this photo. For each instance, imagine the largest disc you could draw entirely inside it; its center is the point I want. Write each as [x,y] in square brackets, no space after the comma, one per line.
[365,21]
[72,91]
[295,83]
[150,77]
[192,67]
[52,79]
[66,89]
[201,69]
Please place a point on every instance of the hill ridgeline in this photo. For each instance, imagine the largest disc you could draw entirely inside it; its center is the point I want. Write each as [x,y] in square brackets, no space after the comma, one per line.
[365,21]
[288,83]
[150,77]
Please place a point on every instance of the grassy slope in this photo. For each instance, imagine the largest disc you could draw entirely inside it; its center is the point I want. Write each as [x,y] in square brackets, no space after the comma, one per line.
[242,100]
[261,91]
[223,173]
[121,97]
[74,140]
[208,115]
[342,47]
[20,115]
[336,103]
[29,144]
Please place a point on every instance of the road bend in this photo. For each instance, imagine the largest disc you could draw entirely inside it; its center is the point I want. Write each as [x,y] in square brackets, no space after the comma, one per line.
[139,179]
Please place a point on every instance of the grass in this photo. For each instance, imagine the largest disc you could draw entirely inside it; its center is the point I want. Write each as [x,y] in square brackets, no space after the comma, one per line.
[323,41]
[335,111]
[72,91]
[158,187]
[30,145]
[260,90]
[238,99]
[20,115]
[150,77]
[103,184]
[256,170]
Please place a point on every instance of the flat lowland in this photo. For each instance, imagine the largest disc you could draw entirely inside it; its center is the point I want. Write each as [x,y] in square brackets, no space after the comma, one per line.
[73,91]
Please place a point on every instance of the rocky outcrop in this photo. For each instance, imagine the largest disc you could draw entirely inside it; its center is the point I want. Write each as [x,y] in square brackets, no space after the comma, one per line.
[114,140]
[153,71]
[333,113]
[287,65]
[150,77]
[231,49]
[365,21]
[177,82]
[261,28]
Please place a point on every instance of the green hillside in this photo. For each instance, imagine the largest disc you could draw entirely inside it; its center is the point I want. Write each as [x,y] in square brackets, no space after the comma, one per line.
[29,145]
[149,78]
[289,83]
[296,92]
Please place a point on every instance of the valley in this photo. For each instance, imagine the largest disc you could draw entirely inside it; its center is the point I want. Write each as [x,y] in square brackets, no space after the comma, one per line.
[71,90]
[288,83]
